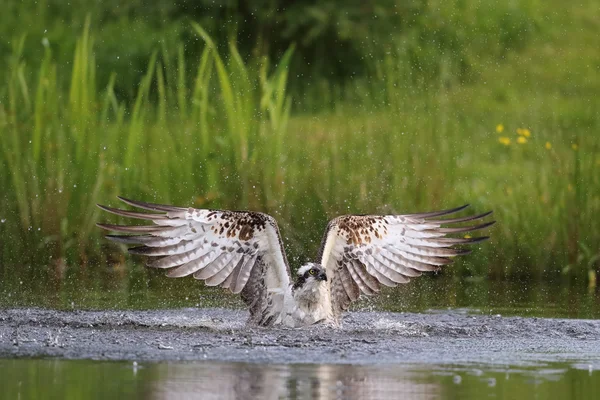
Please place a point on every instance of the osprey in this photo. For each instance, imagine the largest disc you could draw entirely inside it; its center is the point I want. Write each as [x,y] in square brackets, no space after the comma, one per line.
[242,251]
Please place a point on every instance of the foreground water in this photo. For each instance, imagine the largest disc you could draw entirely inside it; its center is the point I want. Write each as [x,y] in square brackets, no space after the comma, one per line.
[435,338]
[65,379]
[210,353]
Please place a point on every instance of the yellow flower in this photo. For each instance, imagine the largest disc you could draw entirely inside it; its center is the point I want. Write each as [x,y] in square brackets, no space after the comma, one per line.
[548,145]
[521,140]
[523,132]
[467,236]
[504,140]
[499,128]
[574,146]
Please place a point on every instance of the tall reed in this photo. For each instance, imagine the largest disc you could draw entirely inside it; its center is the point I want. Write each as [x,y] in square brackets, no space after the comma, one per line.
[218,132]
[63,154]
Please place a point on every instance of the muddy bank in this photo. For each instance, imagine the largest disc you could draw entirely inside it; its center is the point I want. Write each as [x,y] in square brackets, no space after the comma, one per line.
[452,337]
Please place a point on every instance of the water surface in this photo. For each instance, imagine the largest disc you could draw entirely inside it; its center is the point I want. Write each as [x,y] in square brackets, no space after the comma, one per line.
[438,337]
[142,288]
[84,379]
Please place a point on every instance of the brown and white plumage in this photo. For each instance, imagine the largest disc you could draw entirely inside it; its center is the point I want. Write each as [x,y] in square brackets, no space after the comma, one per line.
[237,250]
[362,253]
[242,251]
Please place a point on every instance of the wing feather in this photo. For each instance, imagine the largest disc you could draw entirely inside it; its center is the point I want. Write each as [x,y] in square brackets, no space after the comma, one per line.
[213,269]
[180,259]
[244,274]
[438,213]
[191,267]
[147,240]
[228,263]
[229,283]
[180,248]
[369,280]
[409,255]
[133,214]
[350,286]
[385,270]
[401,266]
[411,264]
[220,247]
[339,291]
[151,206]
[375,250]
[384,280]
[136,229]
[359,278]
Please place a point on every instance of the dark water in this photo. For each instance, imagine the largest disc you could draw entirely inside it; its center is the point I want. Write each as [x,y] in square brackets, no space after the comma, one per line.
[137,287]
[64,379]
[545,375]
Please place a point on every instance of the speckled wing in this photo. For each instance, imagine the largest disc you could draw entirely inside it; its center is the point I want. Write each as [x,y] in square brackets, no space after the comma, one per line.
[362,253]
[231,249]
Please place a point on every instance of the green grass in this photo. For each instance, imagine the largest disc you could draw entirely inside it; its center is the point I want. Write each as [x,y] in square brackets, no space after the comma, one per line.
[219,131]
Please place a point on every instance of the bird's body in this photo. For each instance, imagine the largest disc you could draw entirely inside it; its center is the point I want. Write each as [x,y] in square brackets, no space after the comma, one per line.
[311,295]
[242,251]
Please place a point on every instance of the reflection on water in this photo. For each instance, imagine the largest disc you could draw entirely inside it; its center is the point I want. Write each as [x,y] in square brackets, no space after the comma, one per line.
[252,381]
[61,379]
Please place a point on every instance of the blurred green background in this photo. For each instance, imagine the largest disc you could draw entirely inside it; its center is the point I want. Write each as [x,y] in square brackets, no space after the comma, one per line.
[304,110]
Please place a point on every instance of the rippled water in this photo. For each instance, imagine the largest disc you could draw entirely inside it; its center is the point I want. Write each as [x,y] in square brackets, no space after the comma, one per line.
[62,379]
[468,353]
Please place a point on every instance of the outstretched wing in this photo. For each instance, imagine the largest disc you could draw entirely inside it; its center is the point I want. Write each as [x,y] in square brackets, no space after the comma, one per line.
[362,253]
[237,250]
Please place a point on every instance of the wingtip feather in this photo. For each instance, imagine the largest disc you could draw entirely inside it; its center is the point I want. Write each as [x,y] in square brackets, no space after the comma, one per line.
[132,214]
[460,219]
[103,226]
[126,239]
[439,213]
[133,229]
[467,228]
[149,206]
[140,250]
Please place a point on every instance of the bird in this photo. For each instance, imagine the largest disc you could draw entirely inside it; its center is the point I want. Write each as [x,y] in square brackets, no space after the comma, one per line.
[242,251]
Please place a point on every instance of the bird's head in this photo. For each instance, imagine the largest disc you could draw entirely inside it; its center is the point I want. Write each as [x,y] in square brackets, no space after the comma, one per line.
[310,274]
